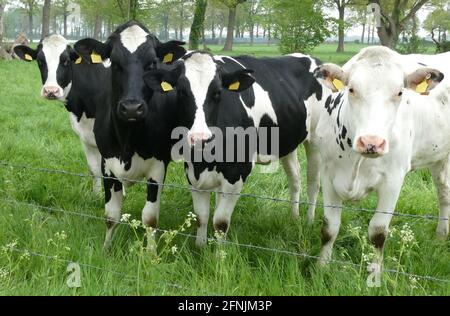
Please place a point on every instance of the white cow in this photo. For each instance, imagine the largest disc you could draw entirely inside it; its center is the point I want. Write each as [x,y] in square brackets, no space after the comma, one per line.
[374,131]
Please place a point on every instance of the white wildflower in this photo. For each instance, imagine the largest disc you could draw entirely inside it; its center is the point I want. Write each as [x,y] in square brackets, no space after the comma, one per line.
[174,249]
[135,224]
[125,218]
[61,235]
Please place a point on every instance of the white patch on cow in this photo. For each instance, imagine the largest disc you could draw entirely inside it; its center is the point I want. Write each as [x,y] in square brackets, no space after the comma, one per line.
[107,63]
[84,129]
[66,92]
[313,62]
[200,72]
[140,169]
[52,47]
[133,37]
[263,106]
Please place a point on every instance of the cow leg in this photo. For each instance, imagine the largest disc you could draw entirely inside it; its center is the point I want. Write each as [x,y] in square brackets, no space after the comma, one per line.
[94,160]
[379,224]
[292,168]
[150,213]
[331,221]
[441,174]
[313,179]
[201,202]
[113,206]
[226,205]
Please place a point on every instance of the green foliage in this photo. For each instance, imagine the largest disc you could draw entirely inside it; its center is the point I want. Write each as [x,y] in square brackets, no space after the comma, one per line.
[301,25]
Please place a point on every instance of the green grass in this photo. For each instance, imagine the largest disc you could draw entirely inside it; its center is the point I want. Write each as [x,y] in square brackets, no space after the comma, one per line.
[37,133]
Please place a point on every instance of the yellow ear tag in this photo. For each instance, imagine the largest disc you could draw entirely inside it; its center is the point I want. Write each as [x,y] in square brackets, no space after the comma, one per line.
[96,58]
[168,58]
[338,84]
[78,61]
[235,86]
[166,86]
[28,57]
[422,87]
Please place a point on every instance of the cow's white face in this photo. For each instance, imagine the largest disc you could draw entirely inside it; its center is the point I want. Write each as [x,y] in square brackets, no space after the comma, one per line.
[374,95]
[54,57]
[199,82]
[373,86]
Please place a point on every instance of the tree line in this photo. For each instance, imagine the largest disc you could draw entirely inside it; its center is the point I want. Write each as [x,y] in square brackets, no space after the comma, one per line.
[294,25]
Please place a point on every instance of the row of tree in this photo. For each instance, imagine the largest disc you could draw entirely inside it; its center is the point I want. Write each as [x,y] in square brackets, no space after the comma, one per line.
[298,25]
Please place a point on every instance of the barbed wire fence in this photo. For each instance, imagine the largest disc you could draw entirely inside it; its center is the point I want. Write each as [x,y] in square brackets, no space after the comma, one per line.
[190,236]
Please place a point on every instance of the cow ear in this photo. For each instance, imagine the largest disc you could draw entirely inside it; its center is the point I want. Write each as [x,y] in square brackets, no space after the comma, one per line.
[170,51]
[424,80]
[162,80]
[25,53]
[93,50]
[238,81]
[332,76]
[74,57]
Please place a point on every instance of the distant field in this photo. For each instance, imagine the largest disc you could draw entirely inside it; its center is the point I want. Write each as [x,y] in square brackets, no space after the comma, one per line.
[37,133]
[325,52]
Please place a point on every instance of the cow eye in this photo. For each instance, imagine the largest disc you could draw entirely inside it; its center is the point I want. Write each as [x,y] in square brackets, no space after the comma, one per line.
[216,97]
[151,65]
[400,93]
[351,90]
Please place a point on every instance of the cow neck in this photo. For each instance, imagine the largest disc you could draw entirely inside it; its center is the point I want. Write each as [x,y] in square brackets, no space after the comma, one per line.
[128,135]
[75,101]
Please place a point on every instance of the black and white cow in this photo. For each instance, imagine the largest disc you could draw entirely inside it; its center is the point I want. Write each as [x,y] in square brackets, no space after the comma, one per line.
[68,78]
[218,92]
[375,130]
[133,130]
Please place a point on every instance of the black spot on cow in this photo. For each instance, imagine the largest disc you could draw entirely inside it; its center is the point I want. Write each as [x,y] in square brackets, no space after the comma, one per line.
[340,156]
[349,143]
[152,192]
[338,100]
[341,144]
[344,132]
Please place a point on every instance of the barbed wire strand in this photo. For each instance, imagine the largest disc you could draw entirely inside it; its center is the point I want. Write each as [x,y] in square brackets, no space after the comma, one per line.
[93,267]
[248,246]
[245,195]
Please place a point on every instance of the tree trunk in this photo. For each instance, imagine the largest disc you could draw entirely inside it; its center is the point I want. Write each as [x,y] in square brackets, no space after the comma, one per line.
[230,30]
[341,31]
[46,18]
[30,24]
[368,33]
[97,27]
[197,24]
[220,35]
[2,10]
[181,21]
[363,33]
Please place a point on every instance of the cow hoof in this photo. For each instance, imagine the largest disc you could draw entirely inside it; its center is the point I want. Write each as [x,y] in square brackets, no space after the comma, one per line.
[442,236]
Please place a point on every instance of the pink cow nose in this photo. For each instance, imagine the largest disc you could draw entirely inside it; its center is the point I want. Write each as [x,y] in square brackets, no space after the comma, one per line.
[51,93]
[195,138]
[371,145]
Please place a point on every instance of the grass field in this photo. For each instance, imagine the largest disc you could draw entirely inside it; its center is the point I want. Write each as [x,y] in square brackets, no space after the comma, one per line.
[37,133]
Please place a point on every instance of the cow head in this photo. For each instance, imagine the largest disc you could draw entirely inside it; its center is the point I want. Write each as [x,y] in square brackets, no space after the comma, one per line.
[199,82]
[132,50]
[373,88]
[55,59]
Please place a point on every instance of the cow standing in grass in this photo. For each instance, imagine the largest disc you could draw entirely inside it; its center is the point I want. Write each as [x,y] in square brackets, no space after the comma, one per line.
[133,129]
[75,81]
[217,92]
[374,131]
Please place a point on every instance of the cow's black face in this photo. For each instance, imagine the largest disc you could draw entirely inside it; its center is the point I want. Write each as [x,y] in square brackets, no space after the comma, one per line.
[132,51]
[200,83]
[55,59]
